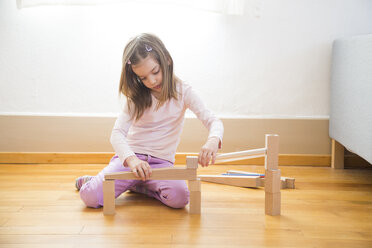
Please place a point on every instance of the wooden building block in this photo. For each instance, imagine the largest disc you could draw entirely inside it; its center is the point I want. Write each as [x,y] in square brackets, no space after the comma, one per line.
[338,153]
[272,203]
[289,182]
[272,181]
[176,173]
[195,185]
[241,181]
[285,182]
[272,152]
[109,197]
[191,162]
[195,202]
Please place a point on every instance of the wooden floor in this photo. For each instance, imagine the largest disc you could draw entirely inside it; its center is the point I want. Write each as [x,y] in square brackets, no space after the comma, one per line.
[39,207]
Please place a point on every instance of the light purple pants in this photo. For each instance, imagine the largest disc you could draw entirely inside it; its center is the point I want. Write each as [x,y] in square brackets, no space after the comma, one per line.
[173,193]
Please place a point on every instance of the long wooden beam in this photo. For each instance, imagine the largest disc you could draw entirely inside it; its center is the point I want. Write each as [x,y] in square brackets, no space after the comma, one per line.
[241,181]
[227,160]
[174,173]
[246,181]
[242,154]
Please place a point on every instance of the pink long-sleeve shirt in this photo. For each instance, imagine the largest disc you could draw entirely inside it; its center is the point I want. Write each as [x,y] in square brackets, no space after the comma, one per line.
[157,132]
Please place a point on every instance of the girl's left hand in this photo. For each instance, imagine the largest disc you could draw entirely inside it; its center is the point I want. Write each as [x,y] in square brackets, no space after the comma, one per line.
[209,151]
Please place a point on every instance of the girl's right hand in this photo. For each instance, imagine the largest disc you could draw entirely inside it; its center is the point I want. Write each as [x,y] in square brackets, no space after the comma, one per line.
[140,168]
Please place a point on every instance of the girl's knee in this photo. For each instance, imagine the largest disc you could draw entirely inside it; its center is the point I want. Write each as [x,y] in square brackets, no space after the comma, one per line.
[175,197]
[89,196]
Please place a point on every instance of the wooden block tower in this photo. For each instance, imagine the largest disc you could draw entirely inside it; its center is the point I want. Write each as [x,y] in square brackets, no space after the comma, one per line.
[272,176]
[194,186]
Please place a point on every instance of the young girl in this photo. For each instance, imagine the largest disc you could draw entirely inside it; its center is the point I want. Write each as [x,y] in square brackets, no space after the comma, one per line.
[147,132]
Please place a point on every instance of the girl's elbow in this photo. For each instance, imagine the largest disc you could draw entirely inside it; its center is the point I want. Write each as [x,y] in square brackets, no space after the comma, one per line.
[117,136]
[114,135]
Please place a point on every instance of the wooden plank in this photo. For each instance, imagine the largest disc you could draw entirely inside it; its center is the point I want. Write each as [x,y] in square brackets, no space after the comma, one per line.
[241,181]
[175,173]
[285,182]
[338,151]
[245,172]
[241,154]
[319,160]
[228,160]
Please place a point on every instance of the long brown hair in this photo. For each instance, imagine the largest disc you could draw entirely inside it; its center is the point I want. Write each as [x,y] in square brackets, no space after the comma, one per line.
[137,94]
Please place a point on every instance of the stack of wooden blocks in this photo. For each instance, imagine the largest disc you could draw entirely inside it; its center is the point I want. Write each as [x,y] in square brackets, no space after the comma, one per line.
[194,186]
[272,176]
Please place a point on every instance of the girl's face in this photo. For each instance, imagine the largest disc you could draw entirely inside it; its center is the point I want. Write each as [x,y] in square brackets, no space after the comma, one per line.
[150,73]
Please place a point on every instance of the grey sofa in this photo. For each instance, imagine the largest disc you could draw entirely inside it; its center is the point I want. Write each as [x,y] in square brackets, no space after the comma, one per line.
[350,124]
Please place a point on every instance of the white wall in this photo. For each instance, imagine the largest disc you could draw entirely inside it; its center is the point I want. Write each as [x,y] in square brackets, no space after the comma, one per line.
[66,60]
